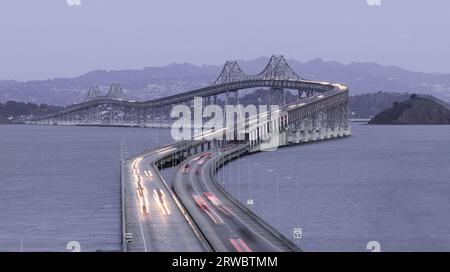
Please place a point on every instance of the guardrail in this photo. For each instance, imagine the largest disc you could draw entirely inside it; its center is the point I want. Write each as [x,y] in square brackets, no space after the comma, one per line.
[180,206]
[122,196]
[171,155]
[185,214]
[229,157]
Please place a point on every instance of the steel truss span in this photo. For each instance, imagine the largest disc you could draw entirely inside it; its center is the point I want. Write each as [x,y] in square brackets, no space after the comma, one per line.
[114,108]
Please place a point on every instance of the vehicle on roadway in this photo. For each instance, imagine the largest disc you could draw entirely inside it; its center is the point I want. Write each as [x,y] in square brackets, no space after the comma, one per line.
[186,168]
[141,191]
[143,202]
[201,203]
[144,205]
[216,202]
[160,198]
[239,245]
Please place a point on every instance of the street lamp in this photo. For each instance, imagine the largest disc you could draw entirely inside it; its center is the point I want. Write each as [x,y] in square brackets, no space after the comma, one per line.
[249,183]
[278,203]
[278,197]
[296,206]
[270,171]
[25,235]
[239,176]
[262,184]
[296,210]
[91,216]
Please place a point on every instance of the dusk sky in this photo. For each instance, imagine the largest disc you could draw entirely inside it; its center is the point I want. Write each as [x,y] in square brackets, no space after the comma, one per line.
[49,38]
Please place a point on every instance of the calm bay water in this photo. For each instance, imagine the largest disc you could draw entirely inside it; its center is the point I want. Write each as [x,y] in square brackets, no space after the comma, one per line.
[386,184]
[389,184]
[58,178]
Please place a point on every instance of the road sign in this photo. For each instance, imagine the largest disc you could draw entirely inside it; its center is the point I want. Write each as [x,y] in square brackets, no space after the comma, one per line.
[298,234]
[249,201]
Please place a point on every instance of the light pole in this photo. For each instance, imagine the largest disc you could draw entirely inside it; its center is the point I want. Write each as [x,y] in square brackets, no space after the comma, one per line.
[223,172]
[278,203]
[239,177]
[25,235]
[229,175]
[249,182]
[218,168]
[91,216]
[289,178]
[296,206]
[262,185]
[270,171]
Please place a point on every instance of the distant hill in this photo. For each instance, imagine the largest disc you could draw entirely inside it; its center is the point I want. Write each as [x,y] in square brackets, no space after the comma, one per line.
[370,104]
[13,111]
[416,111]
[154,82]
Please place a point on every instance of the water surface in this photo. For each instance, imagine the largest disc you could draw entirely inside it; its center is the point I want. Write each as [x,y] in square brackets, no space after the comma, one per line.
[389,184]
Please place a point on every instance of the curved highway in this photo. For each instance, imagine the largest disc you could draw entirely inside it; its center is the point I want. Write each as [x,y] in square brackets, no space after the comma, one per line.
[153,216]
[226,226]
[198,214]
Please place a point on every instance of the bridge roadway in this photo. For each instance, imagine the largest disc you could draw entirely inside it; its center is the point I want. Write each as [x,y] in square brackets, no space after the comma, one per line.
[202,92]
[162,219]
[227,226]
[152,215]
[202,216]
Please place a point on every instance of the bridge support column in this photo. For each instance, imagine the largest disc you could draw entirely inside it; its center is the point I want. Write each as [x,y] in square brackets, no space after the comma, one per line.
[145,110]
[278,97]
[298,136]
[283,138]
[313,128]
[308,129]
[111,118]
[300,94]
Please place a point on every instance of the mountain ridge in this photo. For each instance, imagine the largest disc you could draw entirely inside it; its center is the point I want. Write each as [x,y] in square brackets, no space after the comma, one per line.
[415,111]
[156,81]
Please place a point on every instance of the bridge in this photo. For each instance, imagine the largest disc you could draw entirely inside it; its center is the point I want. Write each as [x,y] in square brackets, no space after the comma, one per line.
[194,198]
[115,93]
[192,211]
[115,109]
[210,218]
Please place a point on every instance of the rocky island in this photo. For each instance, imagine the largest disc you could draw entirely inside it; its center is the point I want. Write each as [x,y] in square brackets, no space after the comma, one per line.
[416,111]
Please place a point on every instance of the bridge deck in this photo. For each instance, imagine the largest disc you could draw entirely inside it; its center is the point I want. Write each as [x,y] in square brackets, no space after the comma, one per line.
[157,230]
